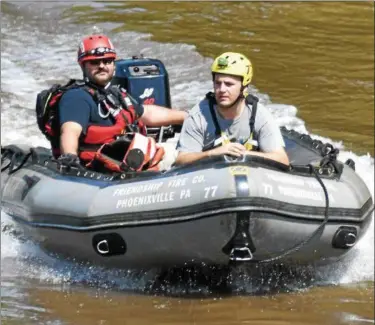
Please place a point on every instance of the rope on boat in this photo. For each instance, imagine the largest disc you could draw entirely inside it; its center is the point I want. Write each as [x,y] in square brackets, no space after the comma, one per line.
[317,232]
[17,155]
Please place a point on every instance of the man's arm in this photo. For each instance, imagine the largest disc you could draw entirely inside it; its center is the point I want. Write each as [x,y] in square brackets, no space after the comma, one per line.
[190,143]
[270,139]
[69,138]
[190,157]
[154,115]
[279,155]
[231,149]
[74,114]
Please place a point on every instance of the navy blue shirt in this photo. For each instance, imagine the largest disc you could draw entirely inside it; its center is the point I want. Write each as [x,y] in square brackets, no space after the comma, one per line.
[77,105]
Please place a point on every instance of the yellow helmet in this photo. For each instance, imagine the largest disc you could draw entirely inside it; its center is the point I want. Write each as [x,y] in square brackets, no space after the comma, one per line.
[235,64]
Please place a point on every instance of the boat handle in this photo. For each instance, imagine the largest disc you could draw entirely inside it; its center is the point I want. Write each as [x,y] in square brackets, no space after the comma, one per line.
[103,247]
[351,236]
[240,254]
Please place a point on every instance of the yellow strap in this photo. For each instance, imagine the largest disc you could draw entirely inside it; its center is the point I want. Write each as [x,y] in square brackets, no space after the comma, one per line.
[225,138]
[248,144]
[46,103]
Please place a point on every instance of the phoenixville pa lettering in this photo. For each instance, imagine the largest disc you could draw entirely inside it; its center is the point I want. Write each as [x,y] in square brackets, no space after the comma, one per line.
[145,200]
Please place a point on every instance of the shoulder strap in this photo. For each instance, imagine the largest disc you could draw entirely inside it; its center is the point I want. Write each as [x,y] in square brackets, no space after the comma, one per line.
[121,95]
[55,92]
[211,102]
[113,94]
[253,101]
[72,83]
[97,94]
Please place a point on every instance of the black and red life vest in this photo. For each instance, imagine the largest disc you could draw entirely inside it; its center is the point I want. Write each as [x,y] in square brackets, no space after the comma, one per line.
[113,100]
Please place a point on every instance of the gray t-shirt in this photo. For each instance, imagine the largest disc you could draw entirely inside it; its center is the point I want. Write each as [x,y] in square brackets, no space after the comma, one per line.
[198,130]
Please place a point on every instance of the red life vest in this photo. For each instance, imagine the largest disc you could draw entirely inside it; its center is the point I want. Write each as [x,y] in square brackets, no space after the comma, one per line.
[113,100]
[131,152]
[124,115]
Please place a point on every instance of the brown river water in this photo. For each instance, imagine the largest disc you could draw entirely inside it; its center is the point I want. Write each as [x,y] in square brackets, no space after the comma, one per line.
[316,56]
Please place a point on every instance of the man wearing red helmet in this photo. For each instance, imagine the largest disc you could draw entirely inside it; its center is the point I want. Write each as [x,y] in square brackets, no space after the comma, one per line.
[89,116]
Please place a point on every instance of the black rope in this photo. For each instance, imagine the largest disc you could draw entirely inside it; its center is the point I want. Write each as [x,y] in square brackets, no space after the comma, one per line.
[6,166]
[4,156]
[319,230]
[16,157]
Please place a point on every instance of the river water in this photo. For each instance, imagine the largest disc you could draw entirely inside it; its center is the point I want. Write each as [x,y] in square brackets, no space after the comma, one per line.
[313,62]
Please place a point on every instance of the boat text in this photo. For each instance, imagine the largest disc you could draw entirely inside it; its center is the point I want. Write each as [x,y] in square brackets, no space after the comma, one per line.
[164,192]
[297,193]
[155,187]
[310,183]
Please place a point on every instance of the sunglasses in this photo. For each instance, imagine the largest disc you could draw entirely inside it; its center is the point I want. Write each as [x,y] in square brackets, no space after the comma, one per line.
[98,61]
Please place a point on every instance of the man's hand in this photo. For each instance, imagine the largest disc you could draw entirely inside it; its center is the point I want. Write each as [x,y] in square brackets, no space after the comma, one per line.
[69,160]
[231,149]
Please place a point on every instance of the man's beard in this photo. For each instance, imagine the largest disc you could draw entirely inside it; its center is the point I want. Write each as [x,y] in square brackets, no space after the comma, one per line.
[99,79]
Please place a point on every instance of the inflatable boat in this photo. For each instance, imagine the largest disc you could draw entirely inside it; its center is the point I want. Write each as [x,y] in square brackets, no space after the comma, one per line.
[215,212]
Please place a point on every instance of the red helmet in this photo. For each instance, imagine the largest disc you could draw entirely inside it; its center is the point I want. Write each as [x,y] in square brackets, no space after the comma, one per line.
[95,47]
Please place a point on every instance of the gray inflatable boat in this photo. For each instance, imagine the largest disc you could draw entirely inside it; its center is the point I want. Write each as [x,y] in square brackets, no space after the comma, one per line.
[218,211]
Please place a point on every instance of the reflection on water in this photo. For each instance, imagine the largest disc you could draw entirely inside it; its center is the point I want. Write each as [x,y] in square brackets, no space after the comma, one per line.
[318,56]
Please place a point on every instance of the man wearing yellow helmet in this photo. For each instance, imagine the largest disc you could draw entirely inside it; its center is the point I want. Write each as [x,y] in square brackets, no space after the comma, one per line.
[229,121]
